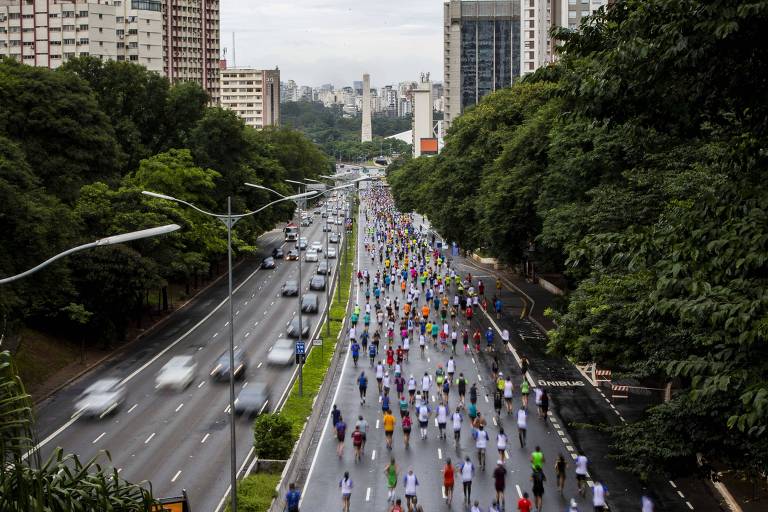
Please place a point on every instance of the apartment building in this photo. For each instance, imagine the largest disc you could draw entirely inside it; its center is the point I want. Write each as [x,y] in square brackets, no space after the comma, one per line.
[191,43]
[46,33]
[253,94]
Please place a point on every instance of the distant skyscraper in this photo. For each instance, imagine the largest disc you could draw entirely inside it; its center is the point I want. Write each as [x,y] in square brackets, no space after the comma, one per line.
[366,133]
[481,50]
[424,139]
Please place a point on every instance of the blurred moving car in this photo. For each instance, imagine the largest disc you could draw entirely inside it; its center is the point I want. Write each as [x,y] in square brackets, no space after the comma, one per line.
[293,328]
[309,303]
[293,255]
[317,246]
[221,369]
[282,352]
[331,252]
[178,373]
[302,243]
[252,400]
[322,268]
[311,255]
[290,288]
[333,238]
[277,253]
[268,262]
[317,282]
[100,398]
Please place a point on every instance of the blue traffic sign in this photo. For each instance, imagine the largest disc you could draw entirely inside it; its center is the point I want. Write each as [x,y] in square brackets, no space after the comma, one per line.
[300,348]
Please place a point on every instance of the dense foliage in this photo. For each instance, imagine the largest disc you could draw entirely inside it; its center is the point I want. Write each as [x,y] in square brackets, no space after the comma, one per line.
[77,147]
[636,165]
[339,136]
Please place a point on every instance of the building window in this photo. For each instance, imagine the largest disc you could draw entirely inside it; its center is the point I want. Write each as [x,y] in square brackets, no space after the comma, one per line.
[571,15]
[68,27]
[134,57]
[54,15]
[82,14]
[82,27]
[69,41]
[84,40]
[147,5]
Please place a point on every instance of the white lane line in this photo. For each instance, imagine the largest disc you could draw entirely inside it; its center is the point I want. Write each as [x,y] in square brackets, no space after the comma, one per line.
[216,334]
[479,378]
[119,470]
[368,494]
[681,494]
[672,484]
[377,423]
[201,385]
[132,408]
[226,411]
[179,407]
[237,312]
[247,334]
[259,365]
[519,492]
[373,455]
[486,398]
[97,439]
[149,438]
[255,324]
[226,324]
[689,505]
[440,454]
[495,422]
[205,438]
[175,476]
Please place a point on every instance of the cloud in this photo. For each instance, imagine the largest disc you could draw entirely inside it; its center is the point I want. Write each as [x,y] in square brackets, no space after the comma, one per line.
[334,41]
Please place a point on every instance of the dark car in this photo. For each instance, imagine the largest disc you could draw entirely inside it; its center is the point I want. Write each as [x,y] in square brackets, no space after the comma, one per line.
[293,328]
[317,283]
[290,287]
[333,238]
[309,303]
[277,253]
[252,400]
[268,262]
[221,368]
[293,254]
[322,268]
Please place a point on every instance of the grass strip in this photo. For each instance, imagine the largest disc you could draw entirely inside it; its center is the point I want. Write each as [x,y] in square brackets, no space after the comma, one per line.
[255,492]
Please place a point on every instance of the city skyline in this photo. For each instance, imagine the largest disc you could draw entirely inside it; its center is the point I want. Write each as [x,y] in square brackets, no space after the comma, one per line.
[328,41]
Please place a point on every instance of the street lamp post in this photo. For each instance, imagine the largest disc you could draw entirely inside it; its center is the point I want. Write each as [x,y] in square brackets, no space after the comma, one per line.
[228,220]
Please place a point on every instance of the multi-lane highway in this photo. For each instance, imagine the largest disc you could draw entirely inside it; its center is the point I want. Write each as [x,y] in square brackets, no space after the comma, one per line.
[180,440]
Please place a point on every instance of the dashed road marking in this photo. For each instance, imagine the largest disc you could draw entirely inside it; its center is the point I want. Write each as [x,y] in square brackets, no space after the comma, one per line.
[440,454]
[373,455]
[179,407]
[259,365]
[132,408]
[368,494]
[149,438]
[519,492]
[215,334]
[97,439]
[175,476]
[205,438]
[689,505]
[201,384]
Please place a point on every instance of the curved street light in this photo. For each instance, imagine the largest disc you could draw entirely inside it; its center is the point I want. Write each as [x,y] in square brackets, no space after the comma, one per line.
[110,240]
[229,220]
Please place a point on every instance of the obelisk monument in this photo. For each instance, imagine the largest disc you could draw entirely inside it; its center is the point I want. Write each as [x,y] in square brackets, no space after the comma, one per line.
[366,132]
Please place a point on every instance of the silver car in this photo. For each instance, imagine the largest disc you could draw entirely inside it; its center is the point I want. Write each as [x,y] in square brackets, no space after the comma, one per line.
[177,374]
[100,398]
[331,252]
[282,352]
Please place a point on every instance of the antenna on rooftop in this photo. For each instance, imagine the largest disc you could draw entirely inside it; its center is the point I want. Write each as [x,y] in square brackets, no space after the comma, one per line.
[234,64]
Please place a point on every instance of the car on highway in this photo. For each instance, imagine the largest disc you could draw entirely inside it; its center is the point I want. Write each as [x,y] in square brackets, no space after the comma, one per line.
[317,282]
[283,352]
[277,253]
[268,262]
[220,370]
[290,288]
[317,245]
[326,228]
[331,252]
[323,268]
[324,215]
[309,303]
[302,245]
[311,255]
[293,328]
[333,238]
[100,398]
[178,373]
[293,255]
[338,221]
[252,399]
[316,212]
[305,222]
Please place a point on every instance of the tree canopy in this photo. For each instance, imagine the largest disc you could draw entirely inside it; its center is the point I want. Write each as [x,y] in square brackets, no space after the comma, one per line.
[636,166]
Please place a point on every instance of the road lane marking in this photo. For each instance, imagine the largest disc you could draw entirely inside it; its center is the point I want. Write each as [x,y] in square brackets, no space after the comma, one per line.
[149,438]
[689,505]
[486,398]
[672,484]
[201,385]
[97,439]
[247,334]
[226,324]
[440,454]
[132,408]
[226,411]
[373,455]
[237,312]
[175,476]
[216,334]
[377,423]
[259,365]
[479,378]
[205,437]
[179,407]
[119,470]
[681,494]
[519,492]
[368,494]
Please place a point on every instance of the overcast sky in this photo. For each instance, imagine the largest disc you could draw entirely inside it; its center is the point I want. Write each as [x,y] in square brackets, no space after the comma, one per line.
[336,41]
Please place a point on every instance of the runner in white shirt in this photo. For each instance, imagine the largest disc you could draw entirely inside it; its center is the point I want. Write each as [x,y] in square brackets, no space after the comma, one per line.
[442,419]
[345,484]
[423,419]
[599,492]
[581,472]
[450,367]
[410,482]
[467,472]
[481,443]
[522,425]
[426,383]
[411,388]
[501,444]
[508,388]
[457,420]
[379,375]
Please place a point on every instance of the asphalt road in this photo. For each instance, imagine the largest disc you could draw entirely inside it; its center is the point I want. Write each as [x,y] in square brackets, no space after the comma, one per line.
[181,440]
[427,457]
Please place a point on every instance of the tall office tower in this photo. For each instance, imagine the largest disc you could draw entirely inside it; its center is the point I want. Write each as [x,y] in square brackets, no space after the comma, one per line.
[481,51]
[253,94]
[366,134]
[424,139]
[191,43]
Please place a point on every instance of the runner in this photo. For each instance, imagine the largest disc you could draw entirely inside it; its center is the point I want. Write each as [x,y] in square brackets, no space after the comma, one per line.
[345,484]
[406,424]
[581,472]
[410,482]
[442,418]
[508,389]
[481,442]
[537,459]
[599,493]
[544,404]
[467,473]
[391,471]
[524,504]
[497,403]
[524,392]
[357,442]
[489,339]
[560,467]
[362,385]
[423,411]
[457,420]
[499,481]
[389,428]
[364,429]
[538,479]
[341,430]
[380,376]
[461,382]
[292,498]
[448,480]
[501,444]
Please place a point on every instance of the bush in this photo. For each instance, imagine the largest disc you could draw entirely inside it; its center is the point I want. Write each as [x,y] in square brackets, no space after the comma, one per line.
[273,437]
[255,492]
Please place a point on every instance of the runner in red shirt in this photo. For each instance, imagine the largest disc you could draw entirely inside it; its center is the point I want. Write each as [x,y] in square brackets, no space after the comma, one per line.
[524,504]
[357,442]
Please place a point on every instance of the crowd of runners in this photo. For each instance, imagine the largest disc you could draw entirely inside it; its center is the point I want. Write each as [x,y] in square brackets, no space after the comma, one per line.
[413,304]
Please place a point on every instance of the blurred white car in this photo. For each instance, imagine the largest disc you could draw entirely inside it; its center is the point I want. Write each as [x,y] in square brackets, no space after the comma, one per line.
[331,252]
[282,352]
[178,373]
[317,246]
[311,255]
[100,398]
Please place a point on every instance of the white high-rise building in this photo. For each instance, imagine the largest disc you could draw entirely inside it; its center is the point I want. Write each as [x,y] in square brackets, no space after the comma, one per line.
[253,94]
[425,142]
[366,133]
